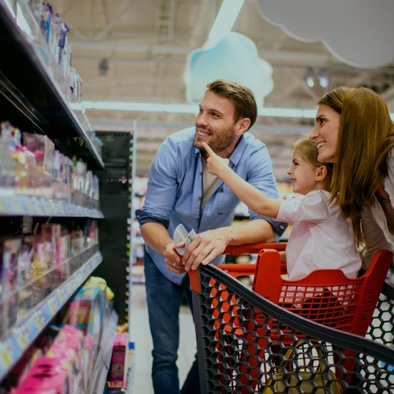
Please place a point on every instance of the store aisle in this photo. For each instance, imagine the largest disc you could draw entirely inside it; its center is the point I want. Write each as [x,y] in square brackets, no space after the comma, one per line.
[140,380]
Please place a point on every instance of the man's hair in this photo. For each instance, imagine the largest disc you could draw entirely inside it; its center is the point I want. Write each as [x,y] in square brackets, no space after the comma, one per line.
[242,97]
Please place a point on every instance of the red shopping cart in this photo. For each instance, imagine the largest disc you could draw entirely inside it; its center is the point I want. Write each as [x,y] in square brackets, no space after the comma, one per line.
[244,334]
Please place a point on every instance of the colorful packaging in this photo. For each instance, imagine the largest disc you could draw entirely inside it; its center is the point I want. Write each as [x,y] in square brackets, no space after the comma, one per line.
[118,370]
[47,375]
[86,312]
[9,254]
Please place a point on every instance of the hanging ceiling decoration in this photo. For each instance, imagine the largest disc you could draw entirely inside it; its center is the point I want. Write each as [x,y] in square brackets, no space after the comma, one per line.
[357,32]
[235,57]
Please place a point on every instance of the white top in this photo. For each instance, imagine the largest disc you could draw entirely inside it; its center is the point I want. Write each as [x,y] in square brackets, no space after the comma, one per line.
[376,230]
[321,237]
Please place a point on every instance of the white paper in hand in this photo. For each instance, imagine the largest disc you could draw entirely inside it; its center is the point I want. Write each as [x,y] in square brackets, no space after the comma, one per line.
[181,234]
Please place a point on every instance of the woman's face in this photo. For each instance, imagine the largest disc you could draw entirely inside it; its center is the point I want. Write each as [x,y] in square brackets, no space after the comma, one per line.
[325,133]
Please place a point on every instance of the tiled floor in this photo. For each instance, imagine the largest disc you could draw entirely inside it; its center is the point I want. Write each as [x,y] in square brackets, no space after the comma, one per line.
[140,380]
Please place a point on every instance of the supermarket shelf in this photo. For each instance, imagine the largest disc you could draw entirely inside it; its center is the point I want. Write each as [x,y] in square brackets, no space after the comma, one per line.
[105,354]
[12,203]
[26,68]
[25,332]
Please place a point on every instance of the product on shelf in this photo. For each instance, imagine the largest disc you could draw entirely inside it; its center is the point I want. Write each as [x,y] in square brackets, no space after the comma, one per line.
[119,363]
[61,370]
[9,254]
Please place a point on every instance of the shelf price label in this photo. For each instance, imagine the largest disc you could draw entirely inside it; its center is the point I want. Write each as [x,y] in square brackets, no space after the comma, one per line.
[22,337]
[63,295]
[6,354]
[52,304]
[30,205]
[68,209]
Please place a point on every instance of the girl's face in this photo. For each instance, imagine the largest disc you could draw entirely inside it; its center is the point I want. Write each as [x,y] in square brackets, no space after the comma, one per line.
[325,133]
[302,175]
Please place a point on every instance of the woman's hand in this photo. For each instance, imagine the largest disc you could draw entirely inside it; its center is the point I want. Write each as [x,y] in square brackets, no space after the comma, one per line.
[381,194]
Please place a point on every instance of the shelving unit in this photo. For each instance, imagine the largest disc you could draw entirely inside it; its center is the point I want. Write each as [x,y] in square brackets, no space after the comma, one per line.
[12,203]
[116,182]
[26,331]
[32,101]
[30,97]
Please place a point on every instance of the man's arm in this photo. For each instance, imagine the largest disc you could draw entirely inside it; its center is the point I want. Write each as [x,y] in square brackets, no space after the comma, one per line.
[156,236]
[212,243]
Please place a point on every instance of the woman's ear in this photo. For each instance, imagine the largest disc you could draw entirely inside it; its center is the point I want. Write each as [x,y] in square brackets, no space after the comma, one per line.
[321,173]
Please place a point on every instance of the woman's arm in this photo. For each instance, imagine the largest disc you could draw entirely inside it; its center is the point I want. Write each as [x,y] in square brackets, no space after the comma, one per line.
[247,193]
[373,236]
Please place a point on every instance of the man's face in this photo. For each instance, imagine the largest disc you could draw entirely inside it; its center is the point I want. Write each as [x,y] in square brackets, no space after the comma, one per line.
[215,125]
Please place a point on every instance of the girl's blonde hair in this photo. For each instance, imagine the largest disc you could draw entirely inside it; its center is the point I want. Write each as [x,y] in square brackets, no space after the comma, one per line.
[307,149]
[366,136]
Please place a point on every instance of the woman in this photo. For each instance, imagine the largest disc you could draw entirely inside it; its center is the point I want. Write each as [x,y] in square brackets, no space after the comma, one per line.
[354,130]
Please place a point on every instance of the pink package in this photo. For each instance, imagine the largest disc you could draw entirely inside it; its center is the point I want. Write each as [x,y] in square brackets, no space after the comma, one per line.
[47,376]
[119,361]
[67,349]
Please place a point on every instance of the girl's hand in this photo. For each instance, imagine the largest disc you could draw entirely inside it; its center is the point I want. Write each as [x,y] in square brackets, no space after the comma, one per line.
[215,163]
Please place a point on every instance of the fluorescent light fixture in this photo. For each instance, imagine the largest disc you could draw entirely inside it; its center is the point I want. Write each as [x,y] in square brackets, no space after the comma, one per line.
[224,21]
[282,112]
[182,108]
[188,109]
[136,107]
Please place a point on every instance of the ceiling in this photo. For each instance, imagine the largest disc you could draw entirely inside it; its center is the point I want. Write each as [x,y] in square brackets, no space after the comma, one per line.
[136,50]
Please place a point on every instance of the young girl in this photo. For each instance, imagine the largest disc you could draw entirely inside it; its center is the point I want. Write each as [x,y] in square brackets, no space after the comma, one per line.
[321,237]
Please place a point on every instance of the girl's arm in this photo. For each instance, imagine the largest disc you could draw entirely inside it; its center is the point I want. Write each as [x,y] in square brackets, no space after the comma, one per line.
[247,193]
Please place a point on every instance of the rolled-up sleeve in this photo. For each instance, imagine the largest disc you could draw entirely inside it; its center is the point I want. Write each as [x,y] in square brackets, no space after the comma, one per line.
[144,217]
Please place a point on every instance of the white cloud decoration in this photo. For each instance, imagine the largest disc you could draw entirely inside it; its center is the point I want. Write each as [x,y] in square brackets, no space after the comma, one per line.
[358,32]
[235,58]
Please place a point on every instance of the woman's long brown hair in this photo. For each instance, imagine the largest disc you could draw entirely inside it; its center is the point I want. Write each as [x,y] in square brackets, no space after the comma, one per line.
[366,136]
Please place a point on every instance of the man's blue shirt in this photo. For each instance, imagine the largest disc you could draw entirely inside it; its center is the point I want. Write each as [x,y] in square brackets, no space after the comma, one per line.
[174,192]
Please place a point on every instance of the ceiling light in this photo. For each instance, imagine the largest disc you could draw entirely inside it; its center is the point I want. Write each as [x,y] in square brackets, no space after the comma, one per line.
[277,112]
[309,77]
[324,79]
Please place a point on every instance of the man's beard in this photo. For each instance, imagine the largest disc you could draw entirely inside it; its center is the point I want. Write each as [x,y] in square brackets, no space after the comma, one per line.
[219,142]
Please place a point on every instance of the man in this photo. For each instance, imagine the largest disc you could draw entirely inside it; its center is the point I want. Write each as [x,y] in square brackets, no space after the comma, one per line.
[180,190]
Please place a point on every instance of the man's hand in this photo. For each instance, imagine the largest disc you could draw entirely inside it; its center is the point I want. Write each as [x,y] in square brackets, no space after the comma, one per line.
[173,259]
[205,247]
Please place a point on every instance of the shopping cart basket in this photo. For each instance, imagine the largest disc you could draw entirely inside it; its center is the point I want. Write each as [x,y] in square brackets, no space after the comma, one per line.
[296,336]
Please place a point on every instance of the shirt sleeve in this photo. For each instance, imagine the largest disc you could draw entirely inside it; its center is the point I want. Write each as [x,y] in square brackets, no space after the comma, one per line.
[312,207]
[144,217]
[162,185]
